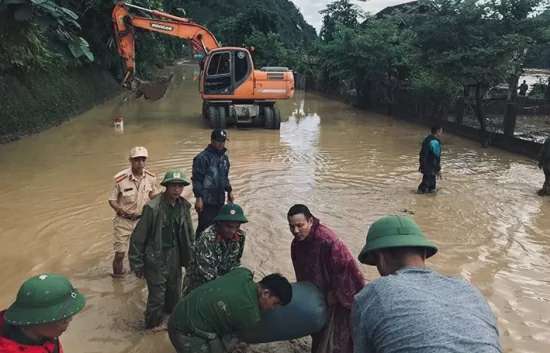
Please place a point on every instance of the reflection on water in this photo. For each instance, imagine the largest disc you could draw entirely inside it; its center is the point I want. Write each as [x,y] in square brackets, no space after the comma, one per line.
[349,166]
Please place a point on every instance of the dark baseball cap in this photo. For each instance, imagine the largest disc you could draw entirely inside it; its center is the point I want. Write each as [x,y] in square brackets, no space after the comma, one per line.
[219,135]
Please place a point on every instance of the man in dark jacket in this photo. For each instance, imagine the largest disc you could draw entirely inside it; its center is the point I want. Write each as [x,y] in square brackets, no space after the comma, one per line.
[544,164]
[211,179]
[161,245]
[430,160]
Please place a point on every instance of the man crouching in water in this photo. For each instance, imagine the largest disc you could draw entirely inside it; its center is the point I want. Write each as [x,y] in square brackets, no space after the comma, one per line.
[210,317]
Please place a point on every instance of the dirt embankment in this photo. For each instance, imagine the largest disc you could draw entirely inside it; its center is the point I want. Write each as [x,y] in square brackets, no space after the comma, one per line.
[34,101]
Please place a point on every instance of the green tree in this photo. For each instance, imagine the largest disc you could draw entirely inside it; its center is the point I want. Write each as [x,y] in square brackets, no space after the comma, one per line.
[374,57]
[269,50]
[339,13]
[37,33]
[477,44]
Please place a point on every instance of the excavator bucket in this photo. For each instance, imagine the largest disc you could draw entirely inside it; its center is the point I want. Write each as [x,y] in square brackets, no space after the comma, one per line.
[153,90]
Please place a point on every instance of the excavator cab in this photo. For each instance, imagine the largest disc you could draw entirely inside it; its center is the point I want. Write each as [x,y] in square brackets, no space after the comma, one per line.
[226,69]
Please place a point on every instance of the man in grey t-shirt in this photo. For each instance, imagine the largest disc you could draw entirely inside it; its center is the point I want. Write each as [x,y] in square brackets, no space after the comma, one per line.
[414,309]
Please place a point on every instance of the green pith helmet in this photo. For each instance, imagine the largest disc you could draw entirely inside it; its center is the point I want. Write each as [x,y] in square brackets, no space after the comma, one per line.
[174,176]
[394,232]
[231,212]
[44,299]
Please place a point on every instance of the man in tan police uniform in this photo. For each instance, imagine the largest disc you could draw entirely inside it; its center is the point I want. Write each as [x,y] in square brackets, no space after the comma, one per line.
[134,187]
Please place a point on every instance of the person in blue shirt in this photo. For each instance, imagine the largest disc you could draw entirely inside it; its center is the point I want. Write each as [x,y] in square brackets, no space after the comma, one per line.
[430,160]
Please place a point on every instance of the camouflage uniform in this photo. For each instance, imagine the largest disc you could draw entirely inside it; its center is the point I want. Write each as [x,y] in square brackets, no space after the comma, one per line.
[160,245]
[213,257]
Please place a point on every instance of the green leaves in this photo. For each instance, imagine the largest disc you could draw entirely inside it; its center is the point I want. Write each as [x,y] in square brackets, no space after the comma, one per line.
[432,48]
[79,47]
[44,19]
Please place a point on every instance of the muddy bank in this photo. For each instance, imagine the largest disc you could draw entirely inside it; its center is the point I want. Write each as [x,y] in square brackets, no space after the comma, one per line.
[35,101]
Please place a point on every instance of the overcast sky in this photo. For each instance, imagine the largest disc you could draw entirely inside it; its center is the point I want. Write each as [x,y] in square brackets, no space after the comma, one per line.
[310,8]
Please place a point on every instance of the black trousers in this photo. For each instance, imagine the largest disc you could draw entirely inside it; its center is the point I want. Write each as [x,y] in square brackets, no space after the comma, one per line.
[206,218]
[427,184]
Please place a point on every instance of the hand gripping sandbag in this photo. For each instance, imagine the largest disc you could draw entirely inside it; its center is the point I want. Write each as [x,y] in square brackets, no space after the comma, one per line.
[306,314]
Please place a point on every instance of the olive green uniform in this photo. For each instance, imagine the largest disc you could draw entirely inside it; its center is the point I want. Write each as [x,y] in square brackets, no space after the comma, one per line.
[159,247]
[207,319]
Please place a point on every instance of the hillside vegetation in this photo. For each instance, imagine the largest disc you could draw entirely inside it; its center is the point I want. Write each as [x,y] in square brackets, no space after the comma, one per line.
[65,39]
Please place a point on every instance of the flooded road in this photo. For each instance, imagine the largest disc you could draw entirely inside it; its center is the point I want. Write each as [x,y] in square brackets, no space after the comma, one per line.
[349,166]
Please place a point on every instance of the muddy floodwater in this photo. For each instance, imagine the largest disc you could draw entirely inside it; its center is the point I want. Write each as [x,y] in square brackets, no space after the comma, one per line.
[349,166]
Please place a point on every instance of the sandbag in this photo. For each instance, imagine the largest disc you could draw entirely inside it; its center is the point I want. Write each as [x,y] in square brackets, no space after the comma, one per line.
[306,313]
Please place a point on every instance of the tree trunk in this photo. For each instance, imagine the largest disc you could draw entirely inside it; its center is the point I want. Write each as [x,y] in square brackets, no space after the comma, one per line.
[480,117]
[509,123]
[459,111]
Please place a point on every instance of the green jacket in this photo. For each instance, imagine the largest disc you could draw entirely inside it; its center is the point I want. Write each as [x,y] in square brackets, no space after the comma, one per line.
[146,243]
[227,305]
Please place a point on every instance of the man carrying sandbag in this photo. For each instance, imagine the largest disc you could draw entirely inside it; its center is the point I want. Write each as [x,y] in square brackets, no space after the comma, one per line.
[209,318]
[412,308]
[219,248]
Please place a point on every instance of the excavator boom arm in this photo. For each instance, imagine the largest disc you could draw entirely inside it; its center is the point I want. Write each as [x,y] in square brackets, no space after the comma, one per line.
[124,22]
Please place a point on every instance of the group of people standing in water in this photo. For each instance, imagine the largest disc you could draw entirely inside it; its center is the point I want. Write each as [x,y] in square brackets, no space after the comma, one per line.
[410,308]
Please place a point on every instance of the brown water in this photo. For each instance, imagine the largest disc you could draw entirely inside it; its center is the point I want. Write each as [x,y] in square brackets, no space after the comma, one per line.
[349,166]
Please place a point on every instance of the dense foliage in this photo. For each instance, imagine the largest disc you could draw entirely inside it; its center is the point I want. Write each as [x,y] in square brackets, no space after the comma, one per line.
[436,50]
[39,34]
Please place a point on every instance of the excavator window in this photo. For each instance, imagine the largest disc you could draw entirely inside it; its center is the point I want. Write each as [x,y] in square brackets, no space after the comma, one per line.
[220,64]
[242,66]
[219,78]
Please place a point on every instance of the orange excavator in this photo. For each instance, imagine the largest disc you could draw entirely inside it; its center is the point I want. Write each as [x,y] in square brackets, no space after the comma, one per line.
[232,90]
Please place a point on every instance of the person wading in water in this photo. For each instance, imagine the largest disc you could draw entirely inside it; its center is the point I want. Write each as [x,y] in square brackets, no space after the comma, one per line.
[133,188]
[430,161]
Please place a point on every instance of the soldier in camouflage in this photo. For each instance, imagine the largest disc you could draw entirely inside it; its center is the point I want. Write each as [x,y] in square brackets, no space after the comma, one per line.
[219,248]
